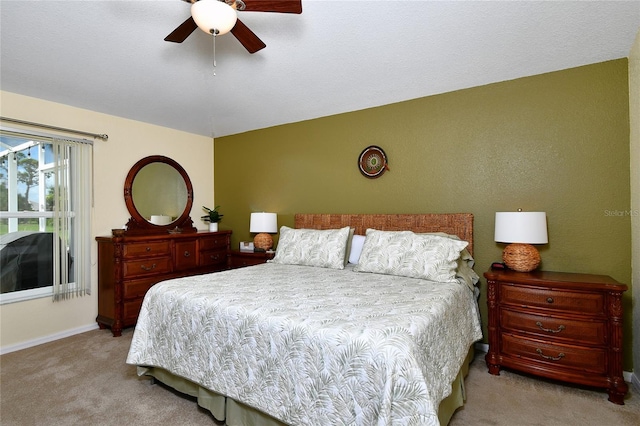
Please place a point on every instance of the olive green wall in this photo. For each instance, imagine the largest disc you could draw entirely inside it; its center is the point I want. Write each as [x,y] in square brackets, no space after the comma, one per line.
[557,142]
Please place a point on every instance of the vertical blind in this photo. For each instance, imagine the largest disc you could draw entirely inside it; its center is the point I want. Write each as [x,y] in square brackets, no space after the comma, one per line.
[71,218]
[70,213]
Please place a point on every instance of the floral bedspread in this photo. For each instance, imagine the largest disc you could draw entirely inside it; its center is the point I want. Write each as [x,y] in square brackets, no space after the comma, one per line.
[312,346]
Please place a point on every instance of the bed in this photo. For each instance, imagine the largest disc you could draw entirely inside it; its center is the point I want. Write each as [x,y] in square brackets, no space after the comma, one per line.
[315,338]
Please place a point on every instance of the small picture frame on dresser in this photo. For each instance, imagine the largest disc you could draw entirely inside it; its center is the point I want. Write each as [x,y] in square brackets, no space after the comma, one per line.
[246,246]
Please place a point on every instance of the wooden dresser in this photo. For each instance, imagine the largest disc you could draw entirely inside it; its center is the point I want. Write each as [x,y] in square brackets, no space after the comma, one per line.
[129,265]
[557,325]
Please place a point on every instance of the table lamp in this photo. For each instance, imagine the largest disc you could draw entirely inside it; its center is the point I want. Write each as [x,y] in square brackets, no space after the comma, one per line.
[521,230]
[263,224]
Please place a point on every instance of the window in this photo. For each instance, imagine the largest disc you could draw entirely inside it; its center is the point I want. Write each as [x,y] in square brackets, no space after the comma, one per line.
[45,229]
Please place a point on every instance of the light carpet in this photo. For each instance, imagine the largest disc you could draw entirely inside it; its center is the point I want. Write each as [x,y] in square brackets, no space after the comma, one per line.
[83,380]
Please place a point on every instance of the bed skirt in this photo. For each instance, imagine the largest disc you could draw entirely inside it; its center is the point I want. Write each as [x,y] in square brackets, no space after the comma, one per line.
[234,413]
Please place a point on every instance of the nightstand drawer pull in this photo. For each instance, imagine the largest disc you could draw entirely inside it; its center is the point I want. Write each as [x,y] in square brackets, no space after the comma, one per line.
[186,253]
[552,358]
[549,299]
[148,268]
[548,330]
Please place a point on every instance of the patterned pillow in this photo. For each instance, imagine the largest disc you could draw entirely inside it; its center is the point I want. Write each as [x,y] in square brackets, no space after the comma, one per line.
[312,247]
[404,253]
[465,263]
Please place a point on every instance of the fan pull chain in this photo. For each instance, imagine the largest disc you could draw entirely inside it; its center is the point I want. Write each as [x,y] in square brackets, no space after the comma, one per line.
[214,33]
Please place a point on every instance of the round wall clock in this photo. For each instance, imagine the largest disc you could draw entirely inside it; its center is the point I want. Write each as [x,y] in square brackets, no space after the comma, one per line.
[373,162]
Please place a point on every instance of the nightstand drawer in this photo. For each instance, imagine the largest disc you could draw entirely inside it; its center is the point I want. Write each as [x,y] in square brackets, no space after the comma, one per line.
[241,259]
[562,356]
[242,262]
[565,301]
[588,332]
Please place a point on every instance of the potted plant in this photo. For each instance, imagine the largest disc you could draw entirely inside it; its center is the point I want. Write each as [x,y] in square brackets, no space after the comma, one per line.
[213,217]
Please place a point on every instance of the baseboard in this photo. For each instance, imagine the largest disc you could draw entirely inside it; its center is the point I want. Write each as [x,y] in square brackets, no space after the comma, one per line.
[635,381]
[629,377]
[481,347]
[47,339]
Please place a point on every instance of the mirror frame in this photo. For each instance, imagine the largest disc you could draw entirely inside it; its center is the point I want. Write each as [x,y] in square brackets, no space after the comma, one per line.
[137,224]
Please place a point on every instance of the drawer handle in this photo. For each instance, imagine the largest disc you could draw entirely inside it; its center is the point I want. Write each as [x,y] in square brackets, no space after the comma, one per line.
[186,253]
[148,249]
[214,257]
[548,330]
[147,268]
[549,299]
[552,358]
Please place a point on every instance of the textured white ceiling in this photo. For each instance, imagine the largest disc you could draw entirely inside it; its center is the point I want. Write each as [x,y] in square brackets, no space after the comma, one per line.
[337,56]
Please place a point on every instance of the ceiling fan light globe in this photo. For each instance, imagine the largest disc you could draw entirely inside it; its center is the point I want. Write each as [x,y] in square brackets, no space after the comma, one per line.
[213,16]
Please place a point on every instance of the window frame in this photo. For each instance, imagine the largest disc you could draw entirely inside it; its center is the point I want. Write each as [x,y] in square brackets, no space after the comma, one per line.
[80,252]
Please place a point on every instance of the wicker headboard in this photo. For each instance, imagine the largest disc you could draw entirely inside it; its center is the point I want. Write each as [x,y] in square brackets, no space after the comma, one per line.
[460,224]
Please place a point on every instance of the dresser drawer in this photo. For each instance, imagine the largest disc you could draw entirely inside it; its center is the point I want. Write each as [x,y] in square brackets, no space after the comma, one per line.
[588,332]
[130,311]
[138,288]
[152,265]
[214,257]
[185,255]
[213,243]
[153,248]
[559,300]
[563,356]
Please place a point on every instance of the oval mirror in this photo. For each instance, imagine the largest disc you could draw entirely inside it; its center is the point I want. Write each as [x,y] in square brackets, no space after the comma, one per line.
[159,196]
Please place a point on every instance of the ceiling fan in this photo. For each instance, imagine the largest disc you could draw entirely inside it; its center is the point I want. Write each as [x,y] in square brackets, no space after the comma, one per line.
[219,17]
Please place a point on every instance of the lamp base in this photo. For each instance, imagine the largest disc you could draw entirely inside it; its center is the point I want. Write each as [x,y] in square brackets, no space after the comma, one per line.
[521,257]
[263,241]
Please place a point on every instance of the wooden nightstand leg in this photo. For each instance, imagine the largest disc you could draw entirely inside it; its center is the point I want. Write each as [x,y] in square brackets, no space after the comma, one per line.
[492,363]
[617,387]
[494,339]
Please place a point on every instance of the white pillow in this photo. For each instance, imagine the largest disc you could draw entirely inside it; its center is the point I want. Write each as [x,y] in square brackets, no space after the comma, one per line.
[312,247]
[348,250]
[356,248]
[404,253]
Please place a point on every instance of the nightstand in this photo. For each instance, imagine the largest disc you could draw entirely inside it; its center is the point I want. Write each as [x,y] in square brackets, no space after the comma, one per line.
[240,259]
[557,325]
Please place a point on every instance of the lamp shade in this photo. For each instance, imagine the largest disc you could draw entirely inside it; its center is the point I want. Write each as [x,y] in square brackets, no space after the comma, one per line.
[521,227]
[213,16]
[264,222]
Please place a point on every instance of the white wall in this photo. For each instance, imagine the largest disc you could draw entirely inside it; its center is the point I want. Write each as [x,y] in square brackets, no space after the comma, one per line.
[634,122]
[25,323]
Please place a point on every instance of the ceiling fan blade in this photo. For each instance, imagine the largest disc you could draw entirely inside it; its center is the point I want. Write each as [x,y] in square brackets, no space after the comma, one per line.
[183,31]
[280,6]
[249,40]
